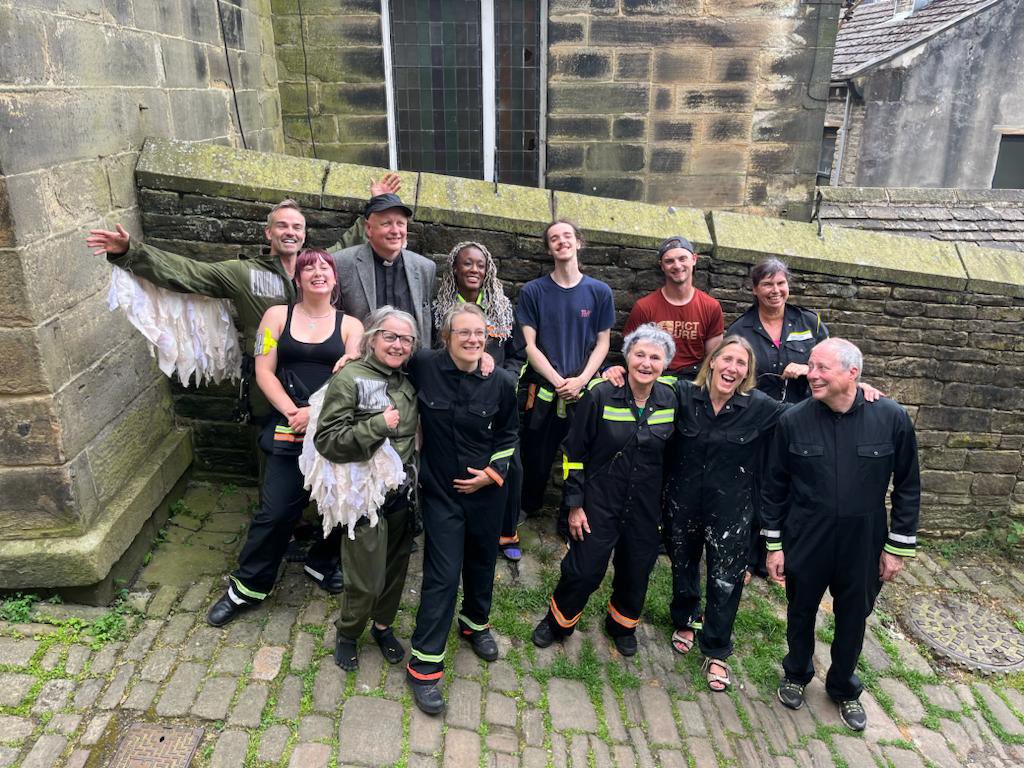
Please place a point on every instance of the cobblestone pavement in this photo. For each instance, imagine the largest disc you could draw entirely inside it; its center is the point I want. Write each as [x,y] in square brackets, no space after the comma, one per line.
[265,690]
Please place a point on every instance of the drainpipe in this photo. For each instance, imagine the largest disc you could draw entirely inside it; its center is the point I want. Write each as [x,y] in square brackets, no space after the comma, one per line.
[842,143]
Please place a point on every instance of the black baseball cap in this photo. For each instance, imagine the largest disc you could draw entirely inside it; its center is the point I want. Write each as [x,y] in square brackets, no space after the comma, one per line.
[676,241]
[386,202]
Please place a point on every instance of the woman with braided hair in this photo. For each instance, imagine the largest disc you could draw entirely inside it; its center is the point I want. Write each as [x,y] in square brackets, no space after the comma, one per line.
[472,277]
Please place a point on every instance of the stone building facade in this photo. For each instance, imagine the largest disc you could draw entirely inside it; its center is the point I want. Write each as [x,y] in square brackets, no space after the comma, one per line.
[88,447]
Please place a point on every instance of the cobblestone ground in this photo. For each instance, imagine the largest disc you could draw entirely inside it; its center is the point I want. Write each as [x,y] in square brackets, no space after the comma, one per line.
[265,690]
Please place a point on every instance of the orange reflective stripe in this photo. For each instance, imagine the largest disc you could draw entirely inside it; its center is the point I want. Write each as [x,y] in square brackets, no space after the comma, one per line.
[428,677]
[284,437]
[618,618]
[498,479]
[503,540]
[562,621]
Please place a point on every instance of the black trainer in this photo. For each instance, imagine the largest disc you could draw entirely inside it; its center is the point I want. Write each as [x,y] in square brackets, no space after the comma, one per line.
[428,698]
[625,644]
[853,715]
[483,644]
[328,580]
[791,694]
[542,634]
[225,610]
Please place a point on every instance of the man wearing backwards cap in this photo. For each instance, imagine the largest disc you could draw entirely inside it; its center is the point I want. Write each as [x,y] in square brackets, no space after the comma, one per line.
[690,316]
[381,271]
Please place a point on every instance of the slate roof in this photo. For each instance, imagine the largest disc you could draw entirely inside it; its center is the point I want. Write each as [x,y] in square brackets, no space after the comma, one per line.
[993,218]
[871,34]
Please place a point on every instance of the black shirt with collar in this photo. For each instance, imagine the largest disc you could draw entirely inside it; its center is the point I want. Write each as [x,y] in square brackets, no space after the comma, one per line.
[392,284]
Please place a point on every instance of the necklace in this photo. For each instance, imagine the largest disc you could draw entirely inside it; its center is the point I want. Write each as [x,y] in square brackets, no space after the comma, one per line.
[311,322]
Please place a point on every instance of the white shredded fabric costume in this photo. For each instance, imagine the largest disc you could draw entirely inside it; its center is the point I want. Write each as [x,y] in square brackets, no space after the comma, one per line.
[190,334]
[344,493]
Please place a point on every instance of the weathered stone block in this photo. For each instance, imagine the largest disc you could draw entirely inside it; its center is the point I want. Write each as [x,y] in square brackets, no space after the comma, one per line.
[332,64]
[673,130]
[562,157]
[22,39]
[614,157]
[631,224]
[86,55]
[565,31]
[352,99]
[598,98]
[29,432]
[718,190]
[347,29]
[993,485]
[629,128]
[715,99]
[667,160]
[633,66]
[731,128]
[185,63]
[946,482]
[681,67]
[470,203]
[587,65]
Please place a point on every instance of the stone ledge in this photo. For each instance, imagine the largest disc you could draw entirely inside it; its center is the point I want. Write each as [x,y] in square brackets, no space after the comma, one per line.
[347,187]
[640,225]
[992,270]
[839,251]
[471,203]
[213,169]
[86,559]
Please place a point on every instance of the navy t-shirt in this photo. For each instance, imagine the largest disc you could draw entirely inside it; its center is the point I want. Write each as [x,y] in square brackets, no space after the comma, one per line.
[567,320]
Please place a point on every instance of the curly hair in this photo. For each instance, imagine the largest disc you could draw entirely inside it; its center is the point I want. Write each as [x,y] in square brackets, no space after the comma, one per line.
[493,302]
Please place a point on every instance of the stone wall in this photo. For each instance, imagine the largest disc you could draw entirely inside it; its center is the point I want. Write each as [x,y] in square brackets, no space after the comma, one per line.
[993,218]
[87,445]
[940,323]
[334,47]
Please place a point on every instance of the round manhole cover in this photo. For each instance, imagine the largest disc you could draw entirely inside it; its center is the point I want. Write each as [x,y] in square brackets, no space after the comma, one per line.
[965,631]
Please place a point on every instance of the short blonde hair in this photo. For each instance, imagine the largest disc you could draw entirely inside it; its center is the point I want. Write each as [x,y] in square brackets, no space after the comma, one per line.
[465,308]
[376,320]
[749,381]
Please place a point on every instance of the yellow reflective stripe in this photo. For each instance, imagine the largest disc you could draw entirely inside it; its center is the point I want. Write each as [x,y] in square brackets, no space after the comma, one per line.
[594,382]
[799,336]
[471,625]
[774,546]
[670,380]
[900,551]
[502,454]
[264,343]
[568,466]
[663,416]
[545,394]
[612,413]
[284,429]
[560,408]
[248,592]
[435,658]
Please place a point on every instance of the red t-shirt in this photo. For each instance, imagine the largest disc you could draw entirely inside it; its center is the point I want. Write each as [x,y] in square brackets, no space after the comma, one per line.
[689,325]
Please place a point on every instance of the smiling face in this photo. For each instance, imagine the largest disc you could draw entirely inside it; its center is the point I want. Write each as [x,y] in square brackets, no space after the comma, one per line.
[728,369]
[772,291]
[387,231]
[677,266]
[286,233]
[828,380]
[645,362]
[317,278]
[563,245]
[467,339]
[470,268]
[393,343]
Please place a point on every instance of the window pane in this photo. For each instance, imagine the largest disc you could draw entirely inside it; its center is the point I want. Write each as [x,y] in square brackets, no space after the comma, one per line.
[517,69]
[1010,164]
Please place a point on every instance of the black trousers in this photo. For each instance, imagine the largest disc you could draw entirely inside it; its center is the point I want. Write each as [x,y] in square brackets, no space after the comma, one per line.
[460,539]
[509,533]
[725,536]
[282,501]
[635,543]
[846,564]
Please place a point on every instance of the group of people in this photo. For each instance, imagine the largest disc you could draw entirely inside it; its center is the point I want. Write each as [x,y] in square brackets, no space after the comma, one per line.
[755,448]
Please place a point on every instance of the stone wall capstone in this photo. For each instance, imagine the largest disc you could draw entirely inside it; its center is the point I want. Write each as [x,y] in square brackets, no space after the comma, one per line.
[941,324]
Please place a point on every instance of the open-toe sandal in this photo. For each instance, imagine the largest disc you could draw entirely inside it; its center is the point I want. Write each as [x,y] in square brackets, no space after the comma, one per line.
[713,679]
[682,644]
[392,650]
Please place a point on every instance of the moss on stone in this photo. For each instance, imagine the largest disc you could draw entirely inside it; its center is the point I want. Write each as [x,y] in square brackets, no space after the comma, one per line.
[992,270]
[638,225]
[347,187]
[839,251]
[219,171]
[471,203]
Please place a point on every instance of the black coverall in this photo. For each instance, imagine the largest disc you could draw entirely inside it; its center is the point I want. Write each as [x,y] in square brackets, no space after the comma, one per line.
[824,505]
[709,503]
[468,420]
[613,465]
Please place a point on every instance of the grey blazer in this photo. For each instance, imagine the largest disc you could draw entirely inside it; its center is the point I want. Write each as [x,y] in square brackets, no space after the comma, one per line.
[359,286]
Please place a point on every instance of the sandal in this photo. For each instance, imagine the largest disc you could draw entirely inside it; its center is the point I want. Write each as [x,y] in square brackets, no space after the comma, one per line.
[681,644]
[392,650]
[512,552]
[723,680]
[345,654]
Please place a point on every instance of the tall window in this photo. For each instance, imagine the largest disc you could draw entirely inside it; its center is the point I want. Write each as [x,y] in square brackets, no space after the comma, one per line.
[464,86]
[1010,163]
[828,152]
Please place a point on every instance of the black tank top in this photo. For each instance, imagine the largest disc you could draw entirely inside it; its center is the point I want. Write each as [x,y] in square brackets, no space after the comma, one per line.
[311,363]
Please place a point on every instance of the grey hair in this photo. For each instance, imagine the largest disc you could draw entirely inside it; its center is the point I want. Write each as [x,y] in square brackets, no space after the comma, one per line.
[847,353]
[766,268]
[652,334]
[376,320]
[286,203]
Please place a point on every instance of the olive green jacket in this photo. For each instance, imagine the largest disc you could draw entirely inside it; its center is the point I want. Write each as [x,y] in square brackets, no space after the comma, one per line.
[252,285]
[351,425]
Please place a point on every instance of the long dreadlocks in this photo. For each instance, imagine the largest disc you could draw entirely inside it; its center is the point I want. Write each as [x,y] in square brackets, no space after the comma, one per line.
[493,301]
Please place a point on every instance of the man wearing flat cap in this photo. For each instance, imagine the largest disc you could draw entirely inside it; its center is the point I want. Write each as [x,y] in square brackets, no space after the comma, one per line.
[690,316]
[381,271]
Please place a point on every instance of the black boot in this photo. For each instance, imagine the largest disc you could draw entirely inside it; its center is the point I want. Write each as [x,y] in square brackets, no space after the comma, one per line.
[225,610]
[428,698]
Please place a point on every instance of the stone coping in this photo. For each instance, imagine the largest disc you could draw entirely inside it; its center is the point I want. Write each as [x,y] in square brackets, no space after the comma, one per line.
[222,171]
[921,195]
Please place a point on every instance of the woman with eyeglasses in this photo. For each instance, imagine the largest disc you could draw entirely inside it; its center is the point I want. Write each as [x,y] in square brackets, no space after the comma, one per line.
[369,401]
[470,428]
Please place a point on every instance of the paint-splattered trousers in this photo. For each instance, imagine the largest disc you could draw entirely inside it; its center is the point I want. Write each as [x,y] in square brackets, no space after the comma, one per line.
[725,536]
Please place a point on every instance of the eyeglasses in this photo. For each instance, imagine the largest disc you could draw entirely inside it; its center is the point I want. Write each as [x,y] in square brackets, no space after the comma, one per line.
[469,333]
[391,338]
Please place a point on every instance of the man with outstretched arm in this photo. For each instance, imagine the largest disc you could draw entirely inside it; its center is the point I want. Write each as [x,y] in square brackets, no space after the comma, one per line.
[824,517]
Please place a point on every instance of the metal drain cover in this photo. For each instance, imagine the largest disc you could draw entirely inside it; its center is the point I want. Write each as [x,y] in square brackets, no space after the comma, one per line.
[157,746]
[965,631]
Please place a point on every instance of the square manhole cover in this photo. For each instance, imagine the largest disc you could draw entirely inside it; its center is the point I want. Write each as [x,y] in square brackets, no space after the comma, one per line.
[157,746]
